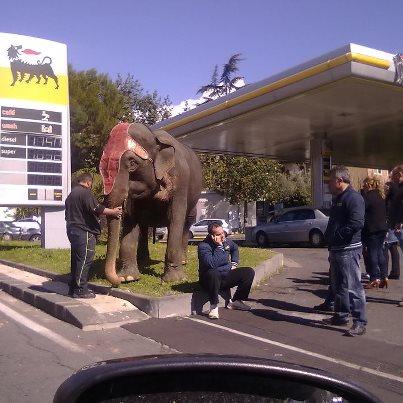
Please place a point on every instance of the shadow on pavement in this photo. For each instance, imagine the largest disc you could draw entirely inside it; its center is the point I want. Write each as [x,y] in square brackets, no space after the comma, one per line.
[318,293]
[280,317]
[287,306]
[314,280]
[382,300]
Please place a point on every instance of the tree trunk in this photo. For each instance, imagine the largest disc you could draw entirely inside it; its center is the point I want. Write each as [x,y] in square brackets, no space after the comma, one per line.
[245,214]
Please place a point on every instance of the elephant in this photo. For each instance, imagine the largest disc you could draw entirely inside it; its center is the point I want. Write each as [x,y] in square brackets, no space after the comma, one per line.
[158,182]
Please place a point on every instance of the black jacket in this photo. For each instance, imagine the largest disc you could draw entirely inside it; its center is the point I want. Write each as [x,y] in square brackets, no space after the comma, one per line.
[375,213]
[82,210]
[215,257]
[396,206]
[346,221]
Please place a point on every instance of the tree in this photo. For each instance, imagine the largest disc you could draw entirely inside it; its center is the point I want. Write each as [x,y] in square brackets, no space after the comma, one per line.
[227,82]
[227,77]
[242,179]
[141,106]
[245,179]
[24,212]
[212,90]
[96,105]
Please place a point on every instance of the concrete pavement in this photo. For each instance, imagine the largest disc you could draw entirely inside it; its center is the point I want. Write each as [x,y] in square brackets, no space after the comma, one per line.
[39,351]
[283,326]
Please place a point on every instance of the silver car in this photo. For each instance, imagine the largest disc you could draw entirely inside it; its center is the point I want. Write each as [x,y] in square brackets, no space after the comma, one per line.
[199,228]
[302,224]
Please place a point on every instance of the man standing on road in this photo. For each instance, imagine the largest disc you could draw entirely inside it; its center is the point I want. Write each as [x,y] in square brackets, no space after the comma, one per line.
[396,206]
[218,270]
[82,212]
[343,235]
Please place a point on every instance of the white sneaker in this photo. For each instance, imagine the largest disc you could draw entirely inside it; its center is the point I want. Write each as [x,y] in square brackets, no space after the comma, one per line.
[213,314]
[238,305]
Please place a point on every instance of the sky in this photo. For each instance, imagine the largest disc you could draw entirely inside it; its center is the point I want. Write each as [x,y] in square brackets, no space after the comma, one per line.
[172,46]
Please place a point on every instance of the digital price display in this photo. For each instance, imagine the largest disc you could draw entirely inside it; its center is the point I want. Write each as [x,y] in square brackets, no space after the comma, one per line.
[34,122]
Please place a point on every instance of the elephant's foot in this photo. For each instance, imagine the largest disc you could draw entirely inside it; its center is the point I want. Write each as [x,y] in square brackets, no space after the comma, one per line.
[129,279]
[128,274]
[173,274]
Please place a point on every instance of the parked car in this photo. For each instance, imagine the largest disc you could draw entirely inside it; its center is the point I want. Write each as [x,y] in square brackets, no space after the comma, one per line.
[301,224]
[161,233]
[27,223]
[199,229]
[8,231]
[31,234]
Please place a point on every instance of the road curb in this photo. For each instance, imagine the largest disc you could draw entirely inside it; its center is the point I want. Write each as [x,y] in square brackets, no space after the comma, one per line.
[156,307]
[65,308]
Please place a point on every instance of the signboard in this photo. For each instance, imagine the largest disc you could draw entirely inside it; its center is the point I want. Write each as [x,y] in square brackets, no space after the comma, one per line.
[326,167]
[34,122]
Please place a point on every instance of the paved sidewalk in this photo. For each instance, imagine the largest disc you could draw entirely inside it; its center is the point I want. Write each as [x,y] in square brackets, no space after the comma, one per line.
[49,295]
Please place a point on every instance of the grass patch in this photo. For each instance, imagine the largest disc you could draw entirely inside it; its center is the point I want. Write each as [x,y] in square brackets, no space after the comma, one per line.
[58,261]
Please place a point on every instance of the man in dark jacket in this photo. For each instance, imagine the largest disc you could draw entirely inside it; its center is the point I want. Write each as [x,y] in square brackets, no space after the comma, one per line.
[343,235]
[218,270]
[396,207]
[82,212]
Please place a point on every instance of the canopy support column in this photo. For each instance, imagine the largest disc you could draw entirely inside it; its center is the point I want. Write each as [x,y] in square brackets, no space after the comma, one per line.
[320,167]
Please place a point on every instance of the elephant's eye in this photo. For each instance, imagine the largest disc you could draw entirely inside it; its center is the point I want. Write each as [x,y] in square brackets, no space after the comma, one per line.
[132,164]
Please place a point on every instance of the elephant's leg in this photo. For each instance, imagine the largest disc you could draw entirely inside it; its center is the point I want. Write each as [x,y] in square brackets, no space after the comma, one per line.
[143,254]
[128,253]
[190,219]
[173,270]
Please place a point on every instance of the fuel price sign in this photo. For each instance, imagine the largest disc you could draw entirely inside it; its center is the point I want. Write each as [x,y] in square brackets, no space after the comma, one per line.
[34,122]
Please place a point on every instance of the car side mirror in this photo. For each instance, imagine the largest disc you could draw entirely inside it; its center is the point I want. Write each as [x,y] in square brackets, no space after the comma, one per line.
[212,378]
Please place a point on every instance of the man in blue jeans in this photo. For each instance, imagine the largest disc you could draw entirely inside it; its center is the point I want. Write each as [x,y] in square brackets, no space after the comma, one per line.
[396,208]
[82,224]
[343,235]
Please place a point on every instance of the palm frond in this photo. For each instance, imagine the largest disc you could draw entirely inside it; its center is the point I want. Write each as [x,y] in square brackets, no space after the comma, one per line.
[231,67]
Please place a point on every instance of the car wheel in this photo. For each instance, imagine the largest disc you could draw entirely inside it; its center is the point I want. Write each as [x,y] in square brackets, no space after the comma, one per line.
[35,238]
[7,237]
[261,239]
[316,238]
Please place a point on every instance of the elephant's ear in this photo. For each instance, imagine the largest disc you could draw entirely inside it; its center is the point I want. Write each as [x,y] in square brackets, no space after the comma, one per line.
[165,159]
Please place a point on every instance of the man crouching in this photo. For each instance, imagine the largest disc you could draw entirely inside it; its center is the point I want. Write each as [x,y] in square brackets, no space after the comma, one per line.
[218,270]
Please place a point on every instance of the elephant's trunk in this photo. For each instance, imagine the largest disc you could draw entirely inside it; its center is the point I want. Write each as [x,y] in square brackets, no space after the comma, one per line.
[112,251]
[114,199]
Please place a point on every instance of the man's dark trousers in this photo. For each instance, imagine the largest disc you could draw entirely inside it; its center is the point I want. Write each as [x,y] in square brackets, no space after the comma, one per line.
[213,281]
[82,255]
[345,277]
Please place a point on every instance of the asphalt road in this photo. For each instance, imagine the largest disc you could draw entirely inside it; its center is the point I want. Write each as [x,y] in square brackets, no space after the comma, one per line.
[282,326]
[38,352]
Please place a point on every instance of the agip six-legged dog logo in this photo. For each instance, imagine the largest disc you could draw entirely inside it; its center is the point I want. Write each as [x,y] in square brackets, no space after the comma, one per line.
[20,68]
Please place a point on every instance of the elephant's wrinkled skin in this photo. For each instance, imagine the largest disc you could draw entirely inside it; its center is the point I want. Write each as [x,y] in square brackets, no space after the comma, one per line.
[159,188]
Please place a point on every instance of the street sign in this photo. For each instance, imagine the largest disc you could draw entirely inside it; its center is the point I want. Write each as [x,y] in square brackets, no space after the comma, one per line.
[34,122]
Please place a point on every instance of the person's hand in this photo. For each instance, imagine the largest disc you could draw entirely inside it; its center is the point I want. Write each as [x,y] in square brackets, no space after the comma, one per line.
[117,212]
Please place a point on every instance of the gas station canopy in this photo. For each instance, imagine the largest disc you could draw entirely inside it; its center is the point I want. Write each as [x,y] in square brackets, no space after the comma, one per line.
[348,97]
